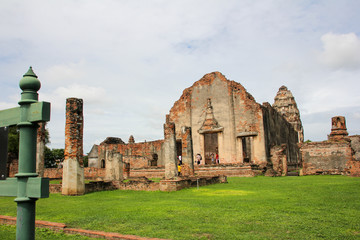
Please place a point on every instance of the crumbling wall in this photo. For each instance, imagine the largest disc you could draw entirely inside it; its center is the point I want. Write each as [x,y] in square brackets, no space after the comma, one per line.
[138,155]
[278,131]
[90,173]
[354,164]
[93,160]
[248,118]
[279,160]
[327,157]
[187,169]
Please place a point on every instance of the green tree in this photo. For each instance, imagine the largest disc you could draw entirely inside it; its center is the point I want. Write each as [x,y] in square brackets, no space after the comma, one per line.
[53,157]
[86,161]
[13,142]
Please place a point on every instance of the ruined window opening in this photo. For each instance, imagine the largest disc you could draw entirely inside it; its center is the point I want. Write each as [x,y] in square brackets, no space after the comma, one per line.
[103,163]
[246,146]
[154,160]
[211,147]
[178,148]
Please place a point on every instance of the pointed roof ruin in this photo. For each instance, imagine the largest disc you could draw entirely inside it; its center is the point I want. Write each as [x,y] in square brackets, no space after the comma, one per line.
[285,104]
[210,124]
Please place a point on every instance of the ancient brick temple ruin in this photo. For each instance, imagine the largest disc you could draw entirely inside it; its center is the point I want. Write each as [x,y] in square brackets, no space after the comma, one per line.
[220,121]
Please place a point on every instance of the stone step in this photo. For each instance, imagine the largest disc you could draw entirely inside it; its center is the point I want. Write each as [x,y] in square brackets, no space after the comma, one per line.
[292,174]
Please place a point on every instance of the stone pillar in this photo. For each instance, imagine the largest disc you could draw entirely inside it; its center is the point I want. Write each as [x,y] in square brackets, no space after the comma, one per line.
[114,166]
[240,154]
[73,170]
[170,149]
[187,152]
[338,128]
[40,149]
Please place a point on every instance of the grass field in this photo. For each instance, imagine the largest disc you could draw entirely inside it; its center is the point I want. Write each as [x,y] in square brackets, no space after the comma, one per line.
[309,207]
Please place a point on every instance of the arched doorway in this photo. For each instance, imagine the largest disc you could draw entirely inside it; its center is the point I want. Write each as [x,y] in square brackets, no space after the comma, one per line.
[102,163]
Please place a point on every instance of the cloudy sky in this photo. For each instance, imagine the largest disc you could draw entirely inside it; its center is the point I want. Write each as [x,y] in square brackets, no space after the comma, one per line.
[131,60]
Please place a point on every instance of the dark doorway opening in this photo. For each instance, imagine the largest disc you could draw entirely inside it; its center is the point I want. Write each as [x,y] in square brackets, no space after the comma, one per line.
[178,148]
[246,146]
[154,160]
[211,146]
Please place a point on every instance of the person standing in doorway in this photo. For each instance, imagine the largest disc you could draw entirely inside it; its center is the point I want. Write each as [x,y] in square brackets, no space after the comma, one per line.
[198,158]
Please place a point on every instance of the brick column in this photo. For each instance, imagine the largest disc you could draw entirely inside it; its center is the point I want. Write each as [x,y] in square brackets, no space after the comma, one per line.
[187,152]
[170,149]
[40,149]
[73,170]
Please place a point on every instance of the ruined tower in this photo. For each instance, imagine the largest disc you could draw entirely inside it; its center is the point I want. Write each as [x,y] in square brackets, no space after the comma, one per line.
[73,167]
[338,128]
[285,104]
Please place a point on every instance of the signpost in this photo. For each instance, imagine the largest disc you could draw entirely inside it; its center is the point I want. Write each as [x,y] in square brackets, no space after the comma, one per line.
[26,187]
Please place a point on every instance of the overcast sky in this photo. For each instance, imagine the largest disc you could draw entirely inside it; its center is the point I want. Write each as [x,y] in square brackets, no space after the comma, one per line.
[130,60]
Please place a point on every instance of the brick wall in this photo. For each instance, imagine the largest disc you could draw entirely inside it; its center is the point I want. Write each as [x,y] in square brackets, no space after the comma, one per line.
[327,157]
[154,172]
[139,155]
[354,165]
[89,173]
[222,169]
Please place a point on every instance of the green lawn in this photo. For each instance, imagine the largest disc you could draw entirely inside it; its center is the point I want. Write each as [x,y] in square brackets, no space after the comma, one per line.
[309,207]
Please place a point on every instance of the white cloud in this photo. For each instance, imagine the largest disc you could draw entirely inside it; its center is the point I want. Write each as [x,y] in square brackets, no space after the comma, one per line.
[131,60]
[92,96]
[341,51]
[63,73]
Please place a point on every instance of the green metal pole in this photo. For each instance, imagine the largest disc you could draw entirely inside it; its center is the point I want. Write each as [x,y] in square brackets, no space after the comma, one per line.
[25,224]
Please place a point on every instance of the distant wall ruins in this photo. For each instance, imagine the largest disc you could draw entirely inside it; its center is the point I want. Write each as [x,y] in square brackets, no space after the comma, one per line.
[340,154]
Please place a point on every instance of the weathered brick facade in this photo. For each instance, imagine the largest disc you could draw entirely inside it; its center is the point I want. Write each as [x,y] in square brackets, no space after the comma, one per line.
[220,120]
[327,157]
[137,155]
[243,130]
[90,173]
[354,165]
